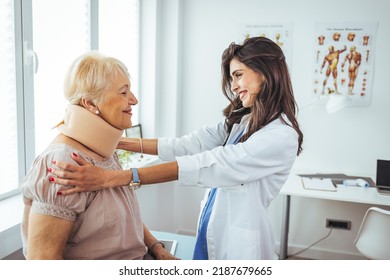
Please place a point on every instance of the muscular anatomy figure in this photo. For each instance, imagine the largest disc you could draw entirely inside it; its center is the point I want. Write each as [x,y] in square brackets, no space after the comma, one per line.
[332,58]
[354,58]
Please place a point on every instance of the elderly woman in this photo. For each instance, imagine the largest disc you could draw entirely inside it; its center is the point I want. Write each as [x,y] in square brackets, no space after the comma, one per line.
[104,224]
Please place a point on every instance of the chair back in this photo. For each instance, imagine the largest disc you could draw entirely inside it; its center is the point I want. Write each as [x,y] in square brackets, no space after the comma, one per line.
[373,238]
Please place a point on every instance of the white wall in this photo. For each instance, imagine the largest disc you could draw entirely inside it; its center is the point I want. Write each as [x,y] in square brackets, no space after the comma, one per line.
[192,35]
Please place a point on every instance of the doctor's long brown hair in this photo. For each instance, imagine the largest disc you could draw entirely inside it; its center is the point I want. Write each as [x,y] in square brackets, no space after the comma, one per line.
[276,96]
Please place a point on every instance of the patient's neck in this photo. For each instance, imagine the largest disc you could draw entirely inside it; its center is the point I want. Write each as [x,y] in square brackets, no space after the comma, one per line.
[92,133]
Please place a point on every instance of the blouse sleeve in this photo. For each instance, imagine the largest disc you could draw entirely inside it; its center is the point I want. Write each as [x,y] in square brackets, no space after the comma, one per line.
[43,193]
[204,139]
[268,151]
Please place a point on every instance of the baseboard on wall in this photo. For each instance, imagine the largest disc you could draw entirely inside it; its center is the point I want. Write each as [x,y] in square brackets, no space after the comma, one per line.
[186,232]
[18,255]
[10,241]
[322,254]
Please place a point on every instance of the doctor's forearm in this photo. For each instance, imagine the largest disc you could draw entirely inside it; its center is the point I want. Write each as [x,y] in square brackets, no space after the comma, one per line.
[155,174]
[147,146]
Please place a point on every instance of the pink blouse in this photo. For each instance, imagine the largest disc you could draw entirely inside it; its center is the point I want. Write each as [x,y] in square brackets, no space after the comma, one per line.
[107,223]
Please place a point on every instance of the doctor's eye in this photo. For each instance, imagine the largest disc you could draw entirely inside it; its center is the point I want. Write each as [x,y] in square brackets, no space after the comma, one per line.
[237,75]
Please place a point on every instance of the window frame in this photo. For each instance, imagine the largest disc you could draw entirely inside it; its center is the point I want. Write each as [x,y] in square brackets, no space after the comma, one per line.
[20,97]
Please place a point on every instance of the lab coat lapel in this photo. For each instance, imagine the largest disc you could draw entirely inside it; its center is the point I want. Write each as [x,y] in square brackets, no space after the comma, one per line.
[236,130]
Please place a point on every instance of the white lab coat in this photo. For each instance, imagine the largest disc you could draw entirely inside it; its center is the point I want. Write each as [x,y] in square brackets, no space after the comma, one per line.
[249,176]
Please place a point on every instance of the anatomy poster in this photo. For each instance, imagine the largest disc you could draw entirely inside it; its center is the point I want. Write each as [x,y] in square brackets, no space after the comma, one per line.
[280,33]
[344,60]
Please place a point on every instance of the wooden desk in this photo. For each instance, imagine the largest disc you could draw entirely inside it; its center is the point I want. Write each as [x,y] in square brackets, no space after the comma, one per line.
[293,187]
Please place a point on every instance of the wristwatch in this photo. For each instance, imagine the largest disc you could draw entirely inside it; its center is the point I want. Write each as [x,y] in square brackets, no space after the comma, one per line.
[135,183]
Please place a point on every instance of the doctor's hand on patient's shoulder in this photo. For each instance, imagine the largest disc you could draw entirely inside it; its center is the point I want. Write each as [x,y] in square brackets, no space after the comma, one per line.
[83,176]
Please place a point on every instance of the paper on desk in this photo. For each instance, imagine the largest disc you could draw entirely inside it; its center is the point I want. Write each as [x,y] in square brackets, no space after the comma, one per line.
[320,184]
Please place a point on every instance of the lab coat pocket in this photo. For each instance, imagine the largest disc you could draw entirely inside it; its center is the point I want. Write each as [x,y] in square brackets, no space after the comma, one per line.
[238,188]
[243,244]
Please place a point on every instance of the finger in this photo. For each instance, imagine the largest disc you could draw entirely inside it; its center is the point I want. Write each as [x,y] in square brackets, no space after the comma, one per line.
[62,176]
[79,159]
[61,181]
[70,166]
[63,165]
[58,173]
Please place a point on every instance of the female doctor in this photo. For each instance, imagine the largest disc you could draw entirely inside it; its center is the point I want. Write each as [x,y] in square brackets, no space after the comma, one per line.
[243,161]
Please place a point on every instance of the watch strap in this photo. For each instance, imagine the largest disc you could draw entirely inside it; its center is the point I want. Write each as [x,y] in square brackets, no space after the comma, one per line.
[135,183]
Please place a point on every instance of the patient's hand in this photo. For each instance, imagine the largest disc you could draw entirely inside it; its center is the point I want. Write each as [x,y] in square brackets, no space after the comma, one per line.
[160,253]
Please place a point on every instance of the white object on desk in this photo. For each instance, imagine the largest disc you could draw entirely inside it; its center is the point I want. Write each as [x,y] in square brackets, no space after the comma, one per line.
[185,243]
[357,182]
[169,245]
[320,184]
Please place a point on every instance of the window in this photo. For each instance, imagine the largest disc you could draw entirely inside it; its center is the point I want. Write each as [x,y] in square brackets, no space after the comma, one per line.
[61,32]
[53,33]
[8,99]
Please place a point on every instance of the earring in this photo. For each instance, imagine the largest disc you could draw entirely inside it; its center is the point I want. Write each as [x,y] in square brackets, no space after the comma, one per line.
[97,112]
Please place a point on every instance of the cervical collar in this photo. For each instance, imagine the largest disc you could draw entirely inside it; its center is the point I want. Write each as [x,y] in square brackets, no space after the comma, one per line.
[90,130]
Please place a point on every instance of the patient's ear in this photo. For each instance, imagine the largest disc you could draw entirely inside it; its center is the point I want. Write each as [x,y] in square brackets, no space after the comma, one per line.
[88,104]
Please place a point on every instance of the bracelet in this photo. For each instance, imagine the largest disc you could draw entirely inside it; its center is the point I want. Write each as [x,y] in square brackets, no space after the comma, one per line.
[141,148]
[154,245]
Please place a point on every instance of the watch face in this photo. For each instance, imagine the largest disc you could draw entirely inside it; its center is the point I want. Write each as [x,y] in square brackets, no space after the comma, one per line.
[135,185]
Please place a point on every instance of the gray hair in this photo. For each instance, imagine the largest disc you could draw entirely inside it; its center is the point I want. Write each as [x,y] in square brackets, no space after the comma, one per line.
[90,75]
